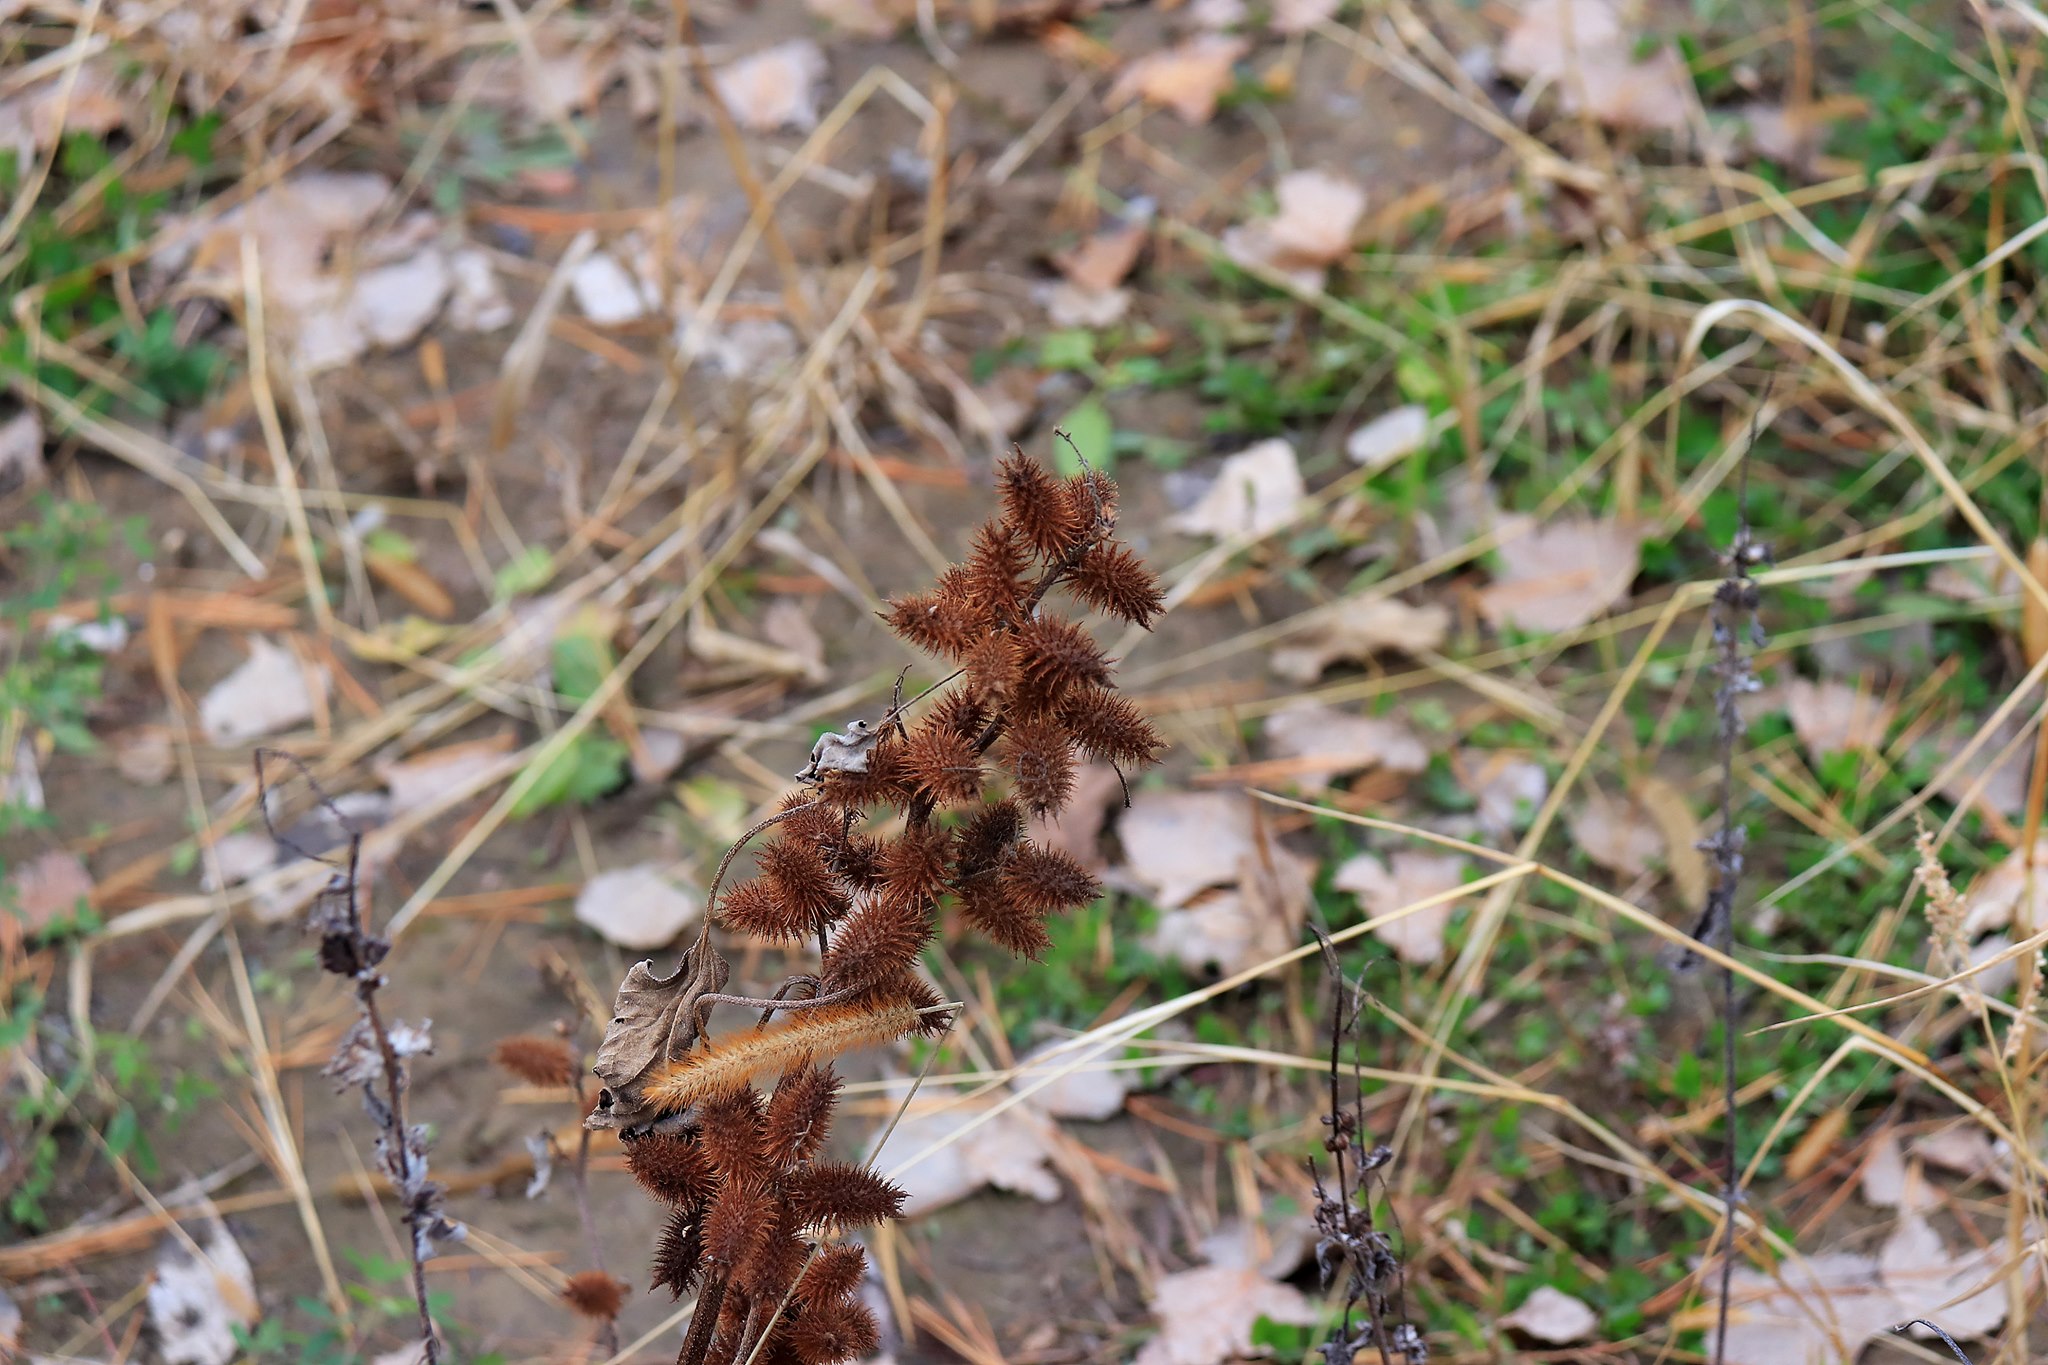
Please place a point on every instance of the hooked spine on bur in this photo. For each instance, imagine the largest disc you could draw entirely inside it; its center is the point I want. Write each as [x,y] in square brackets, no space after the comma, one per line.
[755,1208]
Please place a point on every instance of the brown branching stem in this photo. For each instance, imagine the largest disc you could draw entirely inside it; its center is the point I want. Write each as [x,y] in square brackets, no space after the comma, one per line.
[1736,625]
[1347,1241]
[351,950]
[396,1156]
[579,1185]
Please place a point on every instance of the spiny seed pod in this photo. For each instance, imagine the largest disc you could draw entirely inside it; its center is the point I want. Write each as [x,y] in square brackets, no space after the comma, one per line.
[828,1333]
[799,1115]
[537,1061]
[836,1195]
[833,1273]
[594,1294]
[671,1166]
[679,1255]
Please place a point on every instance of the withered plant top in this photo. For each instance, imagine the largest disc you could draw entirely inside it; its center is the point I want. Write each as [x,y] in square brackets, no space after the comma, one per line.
[893,821]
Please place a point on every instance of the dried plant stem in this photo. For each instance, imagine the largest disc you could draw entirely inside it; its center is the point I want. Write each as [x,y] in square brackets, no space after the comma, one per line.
[1735,620]
[396,1154]
[702,1321]
[579,1183]
[1349,1242]
[368,1055]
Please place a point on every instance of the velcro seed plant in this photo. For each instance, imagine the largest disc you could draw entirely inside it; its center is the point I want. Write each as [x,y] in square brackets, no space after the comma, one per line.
[891,823]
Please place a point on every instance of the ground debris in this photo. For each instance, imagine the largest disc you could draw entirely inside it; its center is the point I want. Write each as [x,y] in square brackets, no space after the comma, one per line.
[197,1303]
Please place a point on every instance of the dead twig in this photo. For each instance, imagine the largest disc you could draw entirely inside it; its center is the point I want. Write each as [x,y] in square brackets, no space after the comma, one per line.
[371,1054]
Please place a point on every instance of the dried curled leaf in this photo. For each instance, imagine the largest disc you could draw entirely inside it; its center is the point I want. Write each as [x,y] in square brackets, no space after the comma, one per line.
[651,1025]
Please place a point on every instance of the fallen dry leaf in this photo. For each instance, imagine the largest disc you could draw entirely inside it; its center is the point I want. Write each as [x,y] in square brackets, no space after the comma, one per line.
[21,782]
[1509,790]
[1102,261]
[1087,294]
[1465,506]
[1680,831]
[753,349]
[425,778]
[196,1303]
[1206,1315]
[1217,15]
[1338,742]
[1617,833]
[1230,930]
[1188,78]
[1316,213]
[1087,1092]
[1826,1308]
[1972,580]
[145,757]
[2034,615]
[787,626]
[637,907]
[1995,899]
[1402,880]
[1178,844]
[238,857]
[1011,1151]
[864,18]
[29,120]
[661,752]
[1255,494]
[754,658]
[476,301]
[1966,1150]
[1275,1245]
[1829,1305]
[1358,628]
[1993,981]
[1068,305]
[270,691]
[45,887]
[565,83]
[1559,576]
[775,88]
[1931,1280]
[1774,133]
[413,582]
[1832,717]
[1553,1316]
[21,451]
[1996,776]
[1887,1182]
[1585,52]
[1389,436]
[1077,830]
[607,293]
[1299,16]
[334,291]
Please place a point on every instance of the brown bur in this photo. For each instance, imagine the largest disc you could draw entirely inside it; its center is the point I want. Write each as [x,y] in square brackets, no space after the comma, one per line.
[755,1208]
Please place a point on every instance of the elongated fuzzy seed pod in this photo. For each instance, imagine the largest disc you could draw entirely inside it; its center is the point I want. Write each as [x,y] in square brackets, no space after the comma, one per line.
[736,1059]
